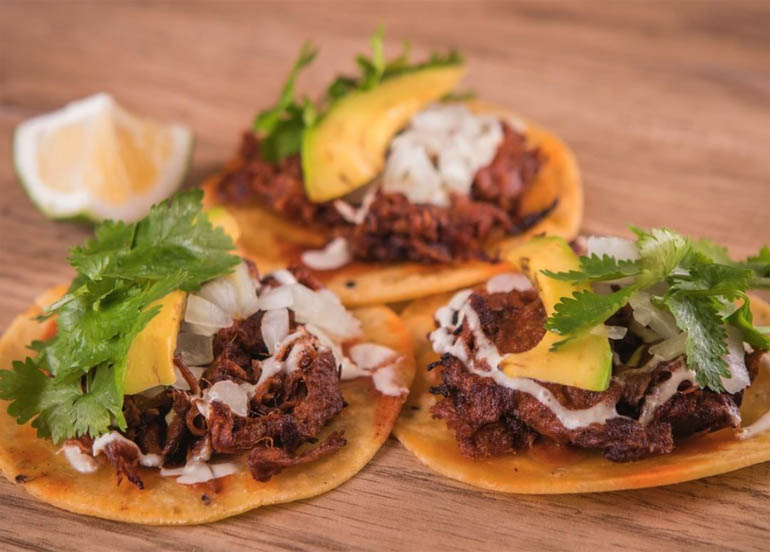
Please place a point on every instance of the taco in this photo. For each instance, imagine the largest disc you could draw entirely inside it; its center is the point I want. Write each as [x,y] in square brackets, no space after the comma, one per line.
[638,365]
[171,384]
[391,186]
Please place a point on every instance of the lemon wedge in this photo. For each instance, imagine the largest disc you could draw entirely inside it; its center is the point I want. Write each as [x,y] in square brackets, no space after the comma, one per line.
[94,160]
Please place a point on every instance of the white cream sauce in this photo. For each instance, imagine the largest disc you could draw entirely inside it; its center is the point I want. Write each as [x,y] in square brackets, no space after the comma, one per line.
[196,471]
[335,254]
[665,390]
[81,461]
[147,460]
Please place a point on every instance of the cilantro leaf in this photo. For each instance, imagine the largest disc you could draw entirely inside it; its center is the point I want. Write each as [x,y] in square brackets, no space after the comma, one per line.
[759,263]
[282,126]
[712,251]
[742,319]
[268,120]
[660,250]
[597,269]
[706,338]
[576,315]
[74,386]
[713,279]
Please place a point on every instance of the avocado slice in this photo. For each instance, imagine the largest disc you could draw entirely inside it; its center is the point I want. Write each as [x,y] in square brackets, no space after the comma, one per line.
[584,362]
[346,148]
[150,359]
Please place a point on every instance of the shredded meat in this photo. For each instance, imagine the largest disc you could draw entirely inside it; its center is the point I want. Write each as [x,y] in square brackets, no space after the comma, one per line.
[267,462]
[287,410]
[515,322]
[489,419]
[125,458]
[396,229]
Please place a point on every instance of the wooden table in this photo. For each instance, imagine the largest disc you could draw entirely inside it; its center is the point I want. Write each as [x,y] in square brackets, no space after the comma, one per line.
[667,106]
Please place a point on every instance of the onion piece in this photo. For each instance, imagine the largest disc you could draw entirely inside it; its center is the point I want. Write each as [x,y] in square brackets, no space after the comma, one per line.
[323,309]
[620,248]
[222,293]
[246,291]
[275,328]
[181,383]
[199,329]
[283,276]
[196,349]
[205,313]
[230,393]
[276,298]
[610,332]
[508,281]
[670,348]
[334,255]
[736,362]
[369,356]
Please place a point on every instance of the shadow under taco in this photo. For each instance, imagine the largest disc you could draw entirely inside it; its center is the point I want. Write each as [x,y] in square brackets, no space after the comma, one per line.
[392,187]
[623,390]
[238,391]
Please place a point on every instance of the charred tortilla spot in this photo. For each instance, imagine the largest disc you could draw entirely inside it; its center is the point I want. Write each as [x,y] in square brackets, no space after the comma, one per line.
[21,478]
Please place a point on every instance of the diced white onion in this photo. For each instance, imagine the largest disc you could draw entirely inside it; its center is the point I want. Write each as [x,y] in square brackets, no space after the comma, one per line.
[283,276]
[181,383]
[621,249]
[440,152]
[230,393]
[610,332]
[196,349]
[508,281]
[324,310]
[199,329]
[275,328]
[276,298]
[736,362]
[368,356]
[246,291]
[647,314]
[221,292]
[670,348]
[205,313]
[334,255]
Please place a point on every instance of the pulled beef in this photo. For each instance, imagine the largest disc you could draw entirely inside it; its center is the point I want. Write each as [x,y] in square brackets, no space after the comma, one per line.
[264,463]
[249,178]
[287,411]
[394,228]
[515,322]
[489,419]
[125,458]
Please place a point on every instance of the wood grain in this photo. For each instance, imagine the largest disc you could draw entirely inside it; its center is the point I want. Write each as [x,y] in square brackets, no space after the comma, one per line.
[666,104]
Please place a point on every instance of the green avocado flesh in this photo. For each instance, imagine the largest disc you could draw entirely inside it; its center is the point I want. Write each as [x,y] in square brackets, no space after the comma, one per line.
[584,362]
[347,148]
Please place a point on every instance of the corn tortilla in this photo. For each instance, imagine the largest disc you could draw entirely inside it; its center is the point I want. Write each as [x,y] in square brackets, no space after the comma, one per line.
[34,463]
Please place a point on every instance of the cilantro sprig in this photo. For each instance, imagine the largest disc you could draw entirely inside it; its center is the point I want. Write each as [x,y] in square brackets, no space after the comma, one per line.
[694,280]
[74,384]
[281,126]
